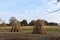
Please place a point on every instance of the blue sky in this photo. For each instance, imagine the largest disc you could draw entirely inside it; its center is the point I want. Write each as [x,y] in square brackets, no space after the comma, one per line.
[29,10]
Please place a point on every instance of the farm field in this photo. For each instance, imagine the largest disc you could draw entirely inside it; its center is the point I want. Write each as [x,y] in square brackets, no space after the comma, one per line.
[29,29]
[29,20]
[53,33]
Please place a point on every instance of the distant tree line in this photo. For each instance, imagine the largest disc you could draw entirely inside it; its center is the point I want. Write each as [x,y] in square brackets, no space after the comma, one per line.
[25,23]
[50,23]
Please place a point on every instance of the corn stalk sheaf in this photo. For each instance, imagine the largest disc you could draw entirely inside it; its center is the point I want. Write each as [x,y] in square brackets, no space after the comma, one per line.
[39,27]
[16,27]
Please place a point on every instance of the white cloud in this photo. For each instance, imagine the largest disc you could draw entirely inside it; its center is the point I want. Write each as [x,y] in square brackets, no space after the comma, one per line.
[58,5]
[26,11]
[31,11]
[5,16]
[54,17]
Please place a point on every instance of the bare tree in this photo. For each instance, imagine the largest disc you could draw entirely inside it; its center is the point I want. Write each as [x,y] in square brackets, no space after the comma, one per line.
[57,1]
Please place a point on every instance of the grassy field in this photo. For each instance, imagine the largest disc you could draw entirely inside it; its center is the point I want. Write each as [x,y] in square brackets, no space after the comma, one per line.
[30,29]
[53,33]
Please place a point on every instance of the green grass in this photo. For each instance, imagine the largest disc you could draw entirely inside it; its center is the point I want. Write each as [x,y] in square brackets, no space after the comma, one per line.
[48,29]
[26,34]
[53,29]
[30,29]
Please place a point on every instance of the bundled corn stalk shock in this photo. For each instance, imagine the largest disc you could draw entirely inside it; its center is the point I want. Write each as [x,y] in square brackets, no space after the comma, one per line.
[16,27]
[39,27]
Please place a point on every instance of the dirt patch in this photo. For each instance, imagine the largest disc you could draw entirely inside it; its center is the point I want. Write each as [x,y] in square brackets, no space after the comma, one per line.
[21,36]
